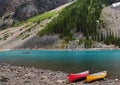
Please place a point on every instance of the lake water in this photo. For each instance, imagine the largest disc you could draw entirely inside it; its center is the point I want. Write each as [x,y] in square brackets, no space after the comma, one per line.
[67,61]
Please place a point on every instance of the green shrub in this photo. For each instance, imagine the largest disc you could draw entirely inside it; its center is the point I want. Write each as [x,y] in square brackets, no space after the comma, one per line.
[88,43]
[81,41]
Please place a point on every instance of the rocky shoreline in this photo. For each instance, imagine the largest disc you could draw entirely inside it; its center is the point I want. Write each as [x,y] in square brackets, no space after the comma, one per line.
[20,75]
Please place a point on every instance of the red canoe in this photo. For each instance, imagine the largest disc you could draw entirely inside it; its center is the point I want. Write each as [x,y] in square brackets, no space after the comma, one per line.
[78,76]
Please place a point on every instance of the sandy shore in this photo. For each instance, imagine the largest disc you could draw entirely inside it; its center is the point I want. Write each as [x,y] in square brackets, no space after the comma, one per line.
[20,75]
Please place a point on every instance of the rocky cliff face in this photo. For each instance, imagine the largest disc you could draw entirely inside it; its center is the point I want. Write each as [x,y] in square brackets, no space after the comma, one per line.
[16,10]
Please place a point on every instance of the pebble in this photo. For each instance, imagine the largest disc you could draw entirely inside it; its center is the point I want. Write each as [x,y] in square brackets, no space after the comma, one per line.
[60,81]
[32,76]
[4,79]
[116,80]
[44,77]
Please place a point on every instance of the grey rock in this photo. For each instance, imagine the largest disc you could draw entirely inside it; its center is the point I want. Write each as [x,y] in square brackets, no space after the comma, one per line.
[40,42]
[26,11]
[4,79]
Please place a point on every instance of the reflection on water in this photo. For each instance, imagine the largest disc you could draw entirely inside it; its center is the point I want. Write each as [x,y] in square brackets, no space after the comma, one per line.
[68,61]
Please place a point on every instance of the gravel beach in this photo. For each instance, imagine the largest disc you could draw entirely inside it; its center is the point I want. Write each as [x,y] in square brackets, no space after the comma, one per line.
[20,75]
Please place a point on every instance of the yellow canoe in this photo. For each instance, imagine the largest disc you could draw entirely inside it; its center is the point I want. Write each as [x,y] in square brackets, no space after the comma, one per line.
[96,76]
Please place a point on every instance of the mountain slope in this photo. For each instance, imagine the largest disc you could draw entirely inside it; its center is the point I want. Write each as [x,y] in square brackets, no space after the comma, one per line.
[78,17]
[26,31]
[82,16]
[77,26]
[16,10]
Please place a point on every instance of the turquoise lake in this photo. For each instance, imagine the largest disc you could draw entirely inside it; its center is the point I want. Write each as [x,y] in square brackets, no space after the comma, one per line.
[66,61]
